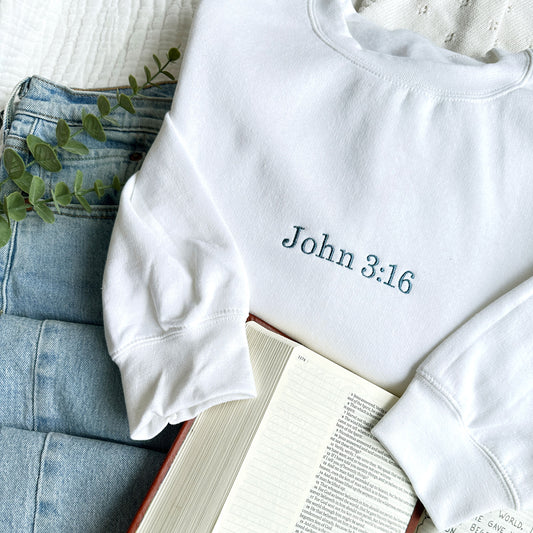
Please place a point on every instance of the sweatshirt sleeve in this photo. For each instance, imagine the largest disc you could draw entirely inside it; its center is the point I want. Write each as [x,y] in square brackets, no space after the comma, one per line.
[175,292]
[175,295]
[463,429]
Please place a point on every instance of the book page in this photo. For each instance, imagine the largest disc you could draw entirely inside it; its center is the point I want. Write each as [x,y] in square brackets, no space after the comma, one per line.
[501,521]
[313,465]
[197,484]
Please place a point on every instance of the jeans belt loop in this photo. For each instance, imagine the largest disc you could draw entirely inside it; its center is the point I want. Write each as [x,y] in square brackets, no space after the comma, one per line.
[6,117]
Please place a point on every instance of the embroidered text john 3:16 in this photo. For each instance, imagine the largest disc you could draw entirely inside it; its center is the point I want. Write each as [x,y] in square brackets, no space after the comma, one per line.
[343,258]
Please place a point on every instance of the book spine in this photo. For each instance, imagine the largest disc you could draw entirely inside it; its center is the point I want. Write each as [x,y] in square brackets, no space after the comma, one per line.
[180,438]
[415,517]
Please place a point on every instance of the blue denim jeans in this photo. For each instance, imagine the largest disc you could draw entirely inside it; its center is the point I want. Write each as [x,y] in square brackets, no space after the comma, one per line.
[67,462]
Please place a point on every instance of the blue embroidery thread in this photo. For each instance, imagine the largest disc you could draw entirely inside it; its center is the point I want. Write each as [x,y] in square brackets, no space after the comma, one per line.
[327,252]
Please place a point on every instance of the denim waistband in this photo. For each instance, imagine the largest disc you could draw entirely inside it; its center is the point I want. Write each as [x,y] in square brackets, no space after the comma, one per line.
[41,98]
[36,105]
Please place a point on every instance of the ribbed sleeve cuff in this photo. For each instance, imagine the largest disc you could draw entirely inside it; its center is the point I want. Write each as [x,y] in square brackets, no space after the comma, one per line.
[454,476]
[175,377]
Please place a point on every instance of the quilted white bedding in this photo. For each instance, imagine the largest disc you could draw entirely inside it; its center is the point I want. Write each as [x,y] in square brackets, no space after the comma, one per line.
[87,43]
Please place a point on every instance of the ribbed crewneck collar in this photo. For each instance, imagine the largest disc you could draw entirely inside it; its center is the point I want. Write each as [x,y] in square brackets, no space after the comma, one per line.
[407,59]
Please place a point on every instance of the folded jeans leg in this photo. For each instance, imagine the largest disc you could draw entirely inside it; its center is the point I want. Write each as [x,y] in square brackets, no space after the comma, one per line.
[58,377]
[51,482]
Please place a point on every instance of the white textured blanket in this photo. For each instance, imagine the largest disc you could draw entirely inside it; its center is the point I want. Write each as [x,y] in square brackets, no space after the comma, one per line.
[87,43]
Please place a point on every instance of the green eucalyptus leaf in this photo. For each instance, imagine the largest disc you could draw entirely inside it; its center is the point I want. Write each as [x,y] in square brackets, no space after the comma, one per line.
[125,102]
[56,204]
[111,121]
[78,181]
[147,73]
[46,157]
[117,185]
[5,231]
[62,132]
[32,141]
[104,106]
[133,84]
[62,194]
[157,61]
[84,203]
[75,147]
[44,212]
[15,206]
[93,127]
[99,188]
[173,54]
[83,113]
[37,189]
[169,74]
[24,182]
[14,164]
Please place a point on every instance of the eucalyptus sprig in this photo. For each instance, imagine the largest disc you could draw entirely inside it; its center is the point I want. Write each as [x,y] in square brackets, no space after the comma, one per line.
[31,188]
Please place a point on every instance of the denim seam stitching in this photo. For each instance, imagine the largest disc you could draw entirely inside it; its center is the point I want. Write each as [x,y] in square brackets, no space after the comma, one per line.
[75,123]
[34,375]
[108,215]
[15,136]
[97,157]
[39,480]
[9,264]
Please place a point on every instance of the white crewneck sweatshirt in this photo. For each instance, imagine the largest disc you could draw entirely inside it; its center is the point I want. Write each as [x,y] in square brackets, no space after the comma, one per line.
[366,192]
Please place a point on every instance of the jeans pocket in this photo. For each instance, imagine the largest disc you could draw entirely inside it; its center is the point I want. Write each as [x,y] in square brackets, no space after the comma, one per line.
[102,164]
[120,155]
[55,270]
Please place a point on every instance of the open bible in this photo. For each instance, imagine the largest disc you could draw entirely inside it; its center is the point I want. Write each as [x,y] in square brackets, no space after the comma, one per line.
[299,458]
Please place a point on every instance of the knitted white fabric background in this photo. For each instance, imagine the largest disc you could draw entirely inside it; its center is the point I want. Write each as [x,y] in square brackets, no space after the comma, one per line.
[470,27]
